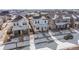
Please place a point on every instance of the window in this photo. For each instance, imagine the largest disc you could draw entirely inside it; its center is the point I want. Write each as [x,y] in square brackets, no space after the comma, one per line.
[14,24]
[45,21]
[38,21]
[45,27]
[35,22]
[24,23]
[17,23]
[37,28]
[42,29]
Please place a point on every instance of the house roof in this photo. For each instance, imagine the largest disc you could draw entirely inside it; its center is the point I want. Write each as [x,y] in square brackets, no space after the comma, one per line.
[36,17]
[4,13]
[17,18]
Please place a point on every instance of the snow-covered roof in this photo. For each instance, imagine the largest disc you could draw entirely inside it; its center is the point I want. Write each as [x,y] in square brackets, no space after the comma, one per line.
[36,14]
[39,17]
[77,16]
[43,13]
[56,16]
[64,17]
[61,23]
[17,18]
[74,16]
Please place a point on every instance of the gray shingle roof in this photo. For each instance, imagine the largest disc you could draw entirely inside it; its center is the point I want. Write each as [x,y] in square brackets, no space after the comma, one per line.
[17,18]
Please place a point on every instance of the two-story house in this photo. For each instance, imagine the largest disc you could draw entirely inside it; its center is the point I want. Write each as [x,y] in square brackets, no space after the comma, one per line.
[76,21]
[39,22]
[20,25]
[61,22]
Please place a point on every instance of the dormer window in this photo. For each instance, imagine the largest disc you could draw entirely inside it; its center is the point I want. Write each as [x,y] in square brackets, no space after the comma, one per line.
[45,21]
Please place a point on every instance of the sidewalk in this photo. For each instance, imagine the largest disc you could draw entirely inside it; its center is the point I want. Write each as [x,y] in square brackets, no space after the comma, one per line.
[54,38]
[75,30]
[32,44]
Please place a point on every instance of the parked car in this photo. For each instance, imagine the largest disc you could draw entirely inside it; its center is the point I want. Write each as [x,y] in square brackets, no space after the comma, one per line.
[68,36]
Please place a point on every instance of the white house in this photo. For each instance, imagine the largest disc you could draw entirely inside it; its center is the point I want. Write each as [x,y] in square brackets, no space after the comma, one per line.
[39,22]
[1,22]
[77,22]
[20,24]
[61,22]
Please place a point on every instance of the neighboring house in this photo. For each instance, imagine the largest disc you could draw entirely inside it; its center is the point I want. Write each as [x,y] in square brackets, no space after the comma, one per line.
[77,22]
[20,25]
[1,22]
[60,22]
[5,19]
[52,25]
[39,22]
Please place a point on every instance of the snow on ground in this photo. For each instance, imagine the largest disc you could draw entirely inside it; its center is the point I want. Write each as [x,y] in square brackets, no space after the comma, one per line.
[58,44]
[13,42]
[76,31]
[41,42]
[1,34]
[46,48]
[21,44]
[38,35]
[26,48]
[2,47]
[32,44]
[9,46]
[65,43]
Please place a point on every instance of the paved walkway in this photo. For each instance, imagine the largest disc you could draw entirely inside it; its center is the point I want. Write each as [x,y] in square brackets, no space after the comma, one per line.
[75,30]
[32,44]
[54,38]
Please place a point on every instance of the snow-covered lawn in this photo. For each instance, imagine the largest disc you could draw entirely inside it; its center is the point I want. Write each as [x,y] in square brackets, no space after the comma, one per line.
[22,44]
[41,41]
[38,35]
[77,31]
[9,46]
[45,48]
[2,47]
[62,43]
[58,33]
[13,42]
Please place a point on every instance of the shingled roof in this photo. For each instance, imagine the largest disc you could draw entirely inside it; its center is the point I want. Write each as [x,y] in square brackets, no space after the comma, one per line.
[4,13]
[17,18]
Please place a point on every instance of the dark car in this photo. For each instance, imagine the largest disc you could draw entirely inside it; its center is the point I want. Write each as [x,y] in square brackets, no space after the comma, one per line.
[68,36]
